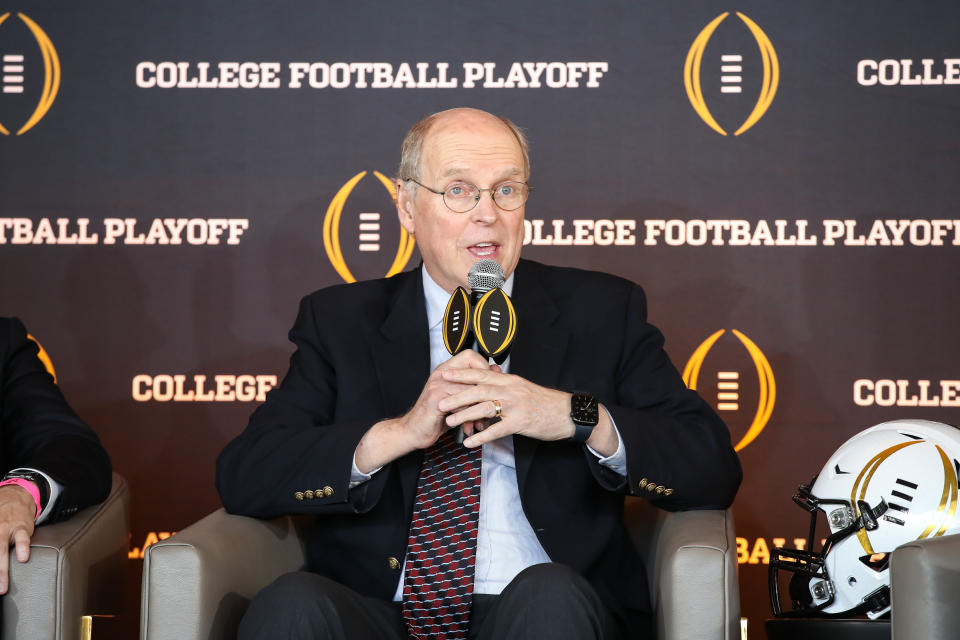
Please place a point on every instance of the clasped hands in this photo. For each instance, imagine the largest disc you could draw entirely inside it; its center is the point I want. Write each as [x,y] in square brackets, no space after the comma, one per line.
[464,391]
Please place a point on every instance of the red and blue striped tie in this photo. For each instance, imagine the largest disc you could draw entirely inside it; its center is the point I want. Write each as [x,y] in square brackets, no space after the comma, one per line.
[441,550]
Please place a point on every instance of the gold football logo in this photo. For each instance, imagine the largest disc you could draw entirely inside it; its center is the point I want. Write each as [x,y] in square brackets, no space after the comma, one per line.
[456,321]
[771,74]
[494,324]
[728,383]
[941,519]
[13,69]
[370,230]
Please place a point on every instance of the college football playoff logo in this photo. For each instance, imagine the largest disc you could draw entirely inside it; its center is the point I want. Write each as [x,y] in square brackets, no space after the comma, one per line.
[938,520]
[730,389]
[367,227]
[495,324]
[18,67]
[729,68]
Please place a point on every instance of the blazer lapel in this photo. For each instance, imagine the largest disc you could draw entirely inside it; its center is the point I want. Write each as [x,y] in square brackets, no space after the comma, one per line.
[400,347]
[538,349]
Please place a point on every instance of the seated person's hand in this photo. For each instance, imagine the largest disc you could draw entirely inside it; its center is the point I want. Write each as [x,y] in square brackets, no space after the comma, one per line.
[17,513]
[528,409]
[525,408]
[425,422]
[423,425]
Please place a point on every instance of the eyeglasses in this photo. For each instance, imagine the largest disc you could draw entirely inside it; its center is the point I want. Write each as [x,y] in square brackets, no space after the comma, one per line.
[461,197]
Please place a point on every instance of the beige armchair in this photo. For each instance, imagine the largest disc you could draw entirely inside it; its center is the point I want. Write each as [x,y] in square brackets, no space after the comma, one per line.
[75,569]
[691,559]
[924,583]
[198,583]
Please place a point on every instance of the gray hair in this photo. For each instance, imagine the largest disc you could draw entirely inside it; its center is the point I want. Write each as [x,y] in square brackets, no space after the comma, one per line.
[412,148]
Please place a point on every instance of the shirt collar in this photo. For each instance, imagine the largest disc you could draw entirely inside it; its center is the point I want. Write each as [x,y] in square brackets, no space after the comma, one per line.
[437,298]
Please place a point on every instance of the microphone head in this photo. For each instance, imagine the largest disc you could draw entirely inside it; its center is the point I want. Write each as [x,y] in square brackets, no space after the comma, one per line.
[485,275]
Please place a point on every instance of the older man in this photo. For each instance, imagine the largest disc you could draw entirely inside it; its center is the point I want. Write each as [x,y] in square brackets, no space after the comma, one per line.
[589,407]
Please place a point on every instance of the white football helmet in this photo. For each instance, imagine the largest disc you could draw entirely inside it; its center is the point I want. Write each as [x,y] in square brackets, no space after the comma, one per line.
[888,485]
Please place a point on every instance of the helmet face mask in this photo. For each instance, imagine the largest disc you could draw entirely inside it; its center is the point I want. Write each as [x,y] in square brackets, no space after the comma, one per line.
[811,590]
[888,485]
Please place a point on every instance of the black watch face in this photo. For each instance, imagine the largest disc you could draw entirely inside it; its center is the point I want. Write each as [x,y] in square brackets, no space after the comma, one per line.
[584,409]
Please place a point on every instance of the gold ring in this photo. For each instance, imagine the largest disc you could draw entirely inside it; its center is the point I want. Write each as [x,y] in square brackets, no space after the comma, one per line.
[498,408]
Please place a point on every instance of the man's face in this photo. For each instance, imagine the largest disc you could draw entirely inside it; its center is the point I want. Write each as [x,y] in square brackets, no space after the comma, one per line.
[464,146]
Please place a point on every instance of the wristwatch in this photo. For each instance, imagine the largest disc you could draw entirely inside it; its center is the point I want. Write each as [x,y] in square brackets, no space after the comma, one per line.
[42,486]
[585,413]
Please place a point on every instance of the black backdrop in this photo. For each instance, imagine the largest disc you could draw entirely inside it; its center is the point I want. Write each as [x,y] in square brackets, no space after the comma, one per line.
[826,232]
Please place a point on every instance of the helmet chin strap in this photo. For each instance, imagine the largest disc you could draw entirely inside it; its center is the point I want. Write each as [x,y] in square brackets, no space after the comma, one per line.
[876,601]
[868,517]
[879,600]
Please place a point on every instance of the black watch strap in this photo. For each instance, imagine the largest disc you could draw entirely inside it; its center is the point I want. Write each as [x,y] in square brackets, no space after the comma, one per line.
[581,433]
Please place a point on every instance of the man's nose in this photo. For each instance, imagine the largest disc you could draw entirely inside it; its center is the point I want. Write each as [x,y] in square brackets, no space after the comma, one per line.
[486,210]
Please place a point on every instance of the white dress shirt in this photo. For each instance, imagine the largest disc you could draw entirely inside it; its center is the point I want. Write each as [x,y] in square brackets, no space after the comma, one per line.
[506,543]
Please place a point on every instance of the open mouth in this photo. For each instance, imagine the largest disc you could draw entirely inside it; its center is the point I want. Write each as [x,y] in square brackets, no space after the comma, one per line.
[484,249]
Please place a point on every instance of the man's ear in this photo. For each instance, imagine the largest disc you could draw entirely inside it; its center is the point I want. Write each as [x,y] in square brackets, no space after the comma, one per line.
[405,208]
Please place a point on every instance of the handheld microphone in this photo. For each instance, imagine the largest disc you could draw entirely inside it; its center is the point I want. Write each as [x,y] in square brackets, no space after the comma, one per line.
[483,319]
[494,320]
[458,319]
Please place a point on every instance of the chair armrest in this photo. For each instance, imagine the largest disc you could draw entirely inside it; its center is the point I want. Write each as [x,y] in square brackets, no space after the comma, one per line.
[197,584]
[76,568]
[924,582]
[691,565]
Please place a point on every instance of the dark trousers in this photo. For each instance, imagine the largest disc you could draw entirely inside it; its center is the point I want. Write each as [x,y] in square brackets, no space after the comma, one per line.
[543,601]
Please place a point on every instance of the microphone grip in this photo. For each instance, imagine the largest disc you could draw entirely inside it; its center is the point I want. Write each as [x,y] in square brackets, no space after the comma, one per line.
[459,436]
[475,296]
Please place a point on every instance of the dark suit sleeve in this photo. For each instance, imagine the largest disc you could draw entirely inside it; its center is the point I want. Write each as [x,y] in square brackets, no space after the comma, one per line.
[41,431]
[293,443]
[674,441]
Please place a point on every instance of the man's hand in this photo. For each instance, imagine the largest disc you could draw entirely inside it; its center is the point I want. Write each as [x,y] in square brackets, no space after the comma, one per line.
[424,423]
[526,409]
[17,513]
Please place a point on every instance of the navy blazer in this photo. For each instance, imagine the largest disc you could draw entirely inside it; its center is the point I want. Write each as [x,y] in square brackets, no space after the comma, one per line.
[363,355]
[41,431]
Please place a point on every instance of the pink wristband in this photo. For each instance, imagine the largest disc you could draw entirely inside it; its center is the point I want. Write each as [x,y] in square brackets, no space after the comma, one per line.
[29,486]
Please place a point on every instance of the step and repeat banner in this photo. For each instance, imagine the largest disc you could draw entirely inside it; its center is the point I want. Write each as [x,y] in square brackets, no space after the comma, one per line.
[781,178]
